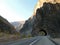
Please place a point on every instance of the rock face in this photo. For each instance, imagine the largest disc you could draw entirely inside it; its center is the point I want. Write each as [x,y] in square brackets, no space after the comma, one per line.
[27,27]
[41,2]
[46,18]
[5,26]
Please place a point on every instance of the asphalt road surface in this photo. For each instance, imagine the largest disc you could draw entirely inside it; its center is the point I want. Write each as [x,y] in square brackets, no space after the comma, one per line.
[39,40]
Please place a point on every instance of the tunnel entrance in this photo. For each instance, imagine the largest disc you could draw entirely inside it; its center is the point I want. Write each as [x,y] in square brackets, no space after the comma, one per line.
[42,32]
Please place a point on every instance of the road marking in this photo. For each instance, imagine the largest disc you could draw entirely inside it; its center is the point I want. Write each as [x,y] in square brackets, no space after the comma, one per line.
[33,42]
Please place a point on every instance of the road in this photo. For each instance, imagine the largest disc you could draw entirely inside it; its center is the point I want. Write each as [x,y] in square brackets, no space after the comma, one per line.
[39,40]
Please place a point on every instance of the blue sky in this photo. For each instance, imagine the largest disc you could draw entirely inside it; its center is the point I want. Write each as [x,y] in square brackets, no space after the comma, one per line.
[16,10]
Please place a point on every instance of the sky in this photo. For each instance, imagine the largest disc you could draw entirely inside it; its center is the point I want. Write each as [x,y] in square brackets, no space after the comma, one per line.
[17,10]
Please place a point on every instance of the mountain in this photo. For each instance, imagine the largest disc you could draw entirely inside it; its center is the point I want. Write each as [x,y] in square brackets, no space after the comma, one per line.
[48,20]
[27,27]
[45,19]
[5,26]
[41,2]
[18,25]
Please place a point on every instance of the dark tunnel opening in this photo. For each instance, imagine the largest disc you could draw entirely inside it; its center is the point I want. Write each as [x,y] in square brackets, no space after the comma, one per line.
[44,31]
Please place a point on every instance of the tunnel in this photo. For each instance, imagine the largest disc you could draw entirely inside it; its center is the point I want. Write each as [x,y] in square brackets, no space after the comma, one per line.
[43,32]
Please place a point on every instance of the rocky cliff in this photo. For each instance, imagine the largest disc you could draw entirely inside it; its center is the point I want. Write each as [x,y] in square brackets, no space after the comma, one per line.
[41,2]
[46,19]
[27,27]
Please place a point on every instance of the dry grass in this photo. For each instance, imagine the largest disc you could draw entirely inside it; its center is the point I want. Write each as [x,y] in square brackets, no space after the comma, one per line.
[4,37]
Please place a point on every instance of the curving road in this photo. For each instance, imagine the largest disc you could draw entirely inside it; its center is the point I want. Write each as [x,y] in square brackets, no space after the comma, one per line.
[39,40]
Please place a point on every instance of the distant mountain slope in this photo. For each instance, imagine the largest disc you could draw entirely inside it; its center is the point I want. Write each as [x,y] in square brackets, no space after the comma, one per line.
[28,25]
[15,24]
[18,25]
[5,26]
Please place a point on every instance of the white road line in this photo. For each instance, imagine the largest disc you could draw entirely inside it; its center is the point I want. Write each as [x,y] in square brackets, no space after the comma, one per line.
[33,42]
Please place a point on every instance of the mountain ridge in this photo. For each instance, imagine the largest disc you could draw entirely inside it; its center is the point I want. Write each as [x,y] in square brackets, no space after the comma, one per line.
[6,26]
